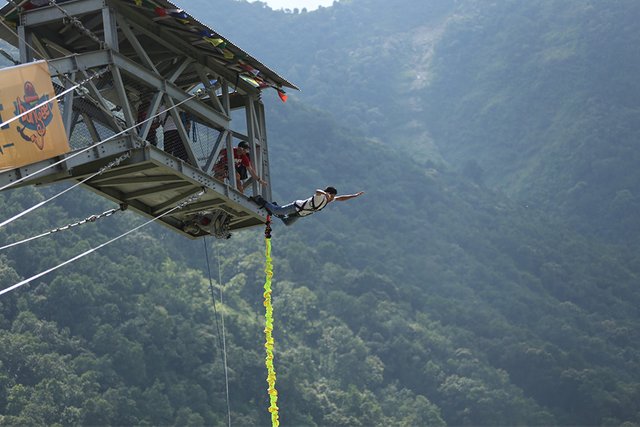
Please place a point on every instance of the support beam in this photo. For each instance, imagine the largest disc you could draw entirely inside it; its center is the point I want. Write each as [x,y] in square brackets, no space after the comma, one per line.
[266,174]
[177,71]
[122,95]
[110,29]
[68,107]
[230,161]
[41,51]
[192,105]
[105,176]
[254,149]
[174,201]
[44,15]
[74,63]
[158,189]
[208,204]
[215,151]
[83,61]
[154,106]
[53,46]
[135,43]
[103,105]
[26,55]
[211,90]
[182,132]
[226,104]
[88,122]
[141,180]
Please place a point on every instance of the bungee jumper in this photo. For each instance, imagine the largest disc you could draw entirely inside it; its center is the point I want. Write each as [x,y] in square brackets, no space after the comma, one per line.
[291,212]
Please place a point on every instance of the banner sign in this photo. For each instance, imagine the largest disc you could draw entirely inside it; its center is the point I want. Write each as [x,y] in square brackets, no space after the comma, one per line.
[39,134]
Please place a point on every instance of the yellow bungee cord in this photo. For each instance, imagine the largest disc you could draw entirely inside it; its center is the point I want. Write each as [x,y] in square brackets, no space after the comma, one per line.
[268,329]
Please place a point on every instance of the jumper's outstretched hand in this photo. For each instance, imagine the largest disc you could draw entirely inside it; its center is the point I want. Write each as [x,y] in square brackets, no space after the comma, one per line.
[348,196]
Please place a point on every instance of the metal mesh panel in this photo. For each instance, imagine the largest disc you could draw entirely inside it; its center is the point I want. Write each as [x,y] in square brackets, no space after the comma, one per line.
[204,139]
[93,116]
[8,54]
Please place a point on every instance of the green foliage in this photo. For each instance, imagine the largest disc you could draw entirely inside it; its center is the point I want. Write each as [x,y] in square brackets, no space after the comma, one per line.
[434,299]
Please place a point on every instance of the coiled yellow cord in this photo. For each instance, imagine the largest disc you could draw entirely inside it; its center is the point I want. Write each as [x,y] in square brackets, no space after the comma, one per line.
[268,329]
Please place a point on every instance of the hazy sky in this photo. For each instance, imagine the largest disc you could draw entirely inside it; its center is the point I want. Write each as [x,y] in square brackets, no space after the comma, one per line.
[279,4]
[291,4]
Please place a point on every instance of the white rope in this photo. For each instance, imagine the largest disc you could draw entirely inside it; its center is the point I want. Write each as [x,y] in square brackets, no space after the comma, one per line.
[100,73]
[84,150]
[42,203]
[224,341]
[70,260]
[92,218]
[215,312]
[15,33]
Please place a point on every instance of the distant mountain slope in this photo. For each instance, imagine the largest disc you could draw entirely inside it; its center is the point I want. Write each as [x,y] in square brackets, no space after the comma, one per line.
[543,96]
[538,99]
[360,59]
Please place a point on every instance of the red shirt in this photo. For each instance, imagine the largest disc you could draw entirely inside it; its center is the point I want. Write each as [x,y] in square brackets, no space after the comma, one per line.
[238,159]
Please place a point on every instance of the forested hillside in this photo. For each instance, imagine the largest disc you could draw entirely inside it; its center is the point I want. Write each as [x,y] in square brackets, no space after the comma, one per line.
[446,304]
[538,99]
[543,97]
[437,298]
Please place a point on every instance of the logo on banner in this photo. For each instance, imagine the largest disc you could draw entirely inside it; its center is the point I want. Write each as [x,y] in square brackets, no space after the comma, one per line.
[35,123]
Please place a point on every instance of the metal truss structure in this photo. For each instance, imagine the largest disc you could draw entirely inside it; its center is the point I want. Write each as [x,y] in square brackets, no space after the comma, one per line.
[142,64]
